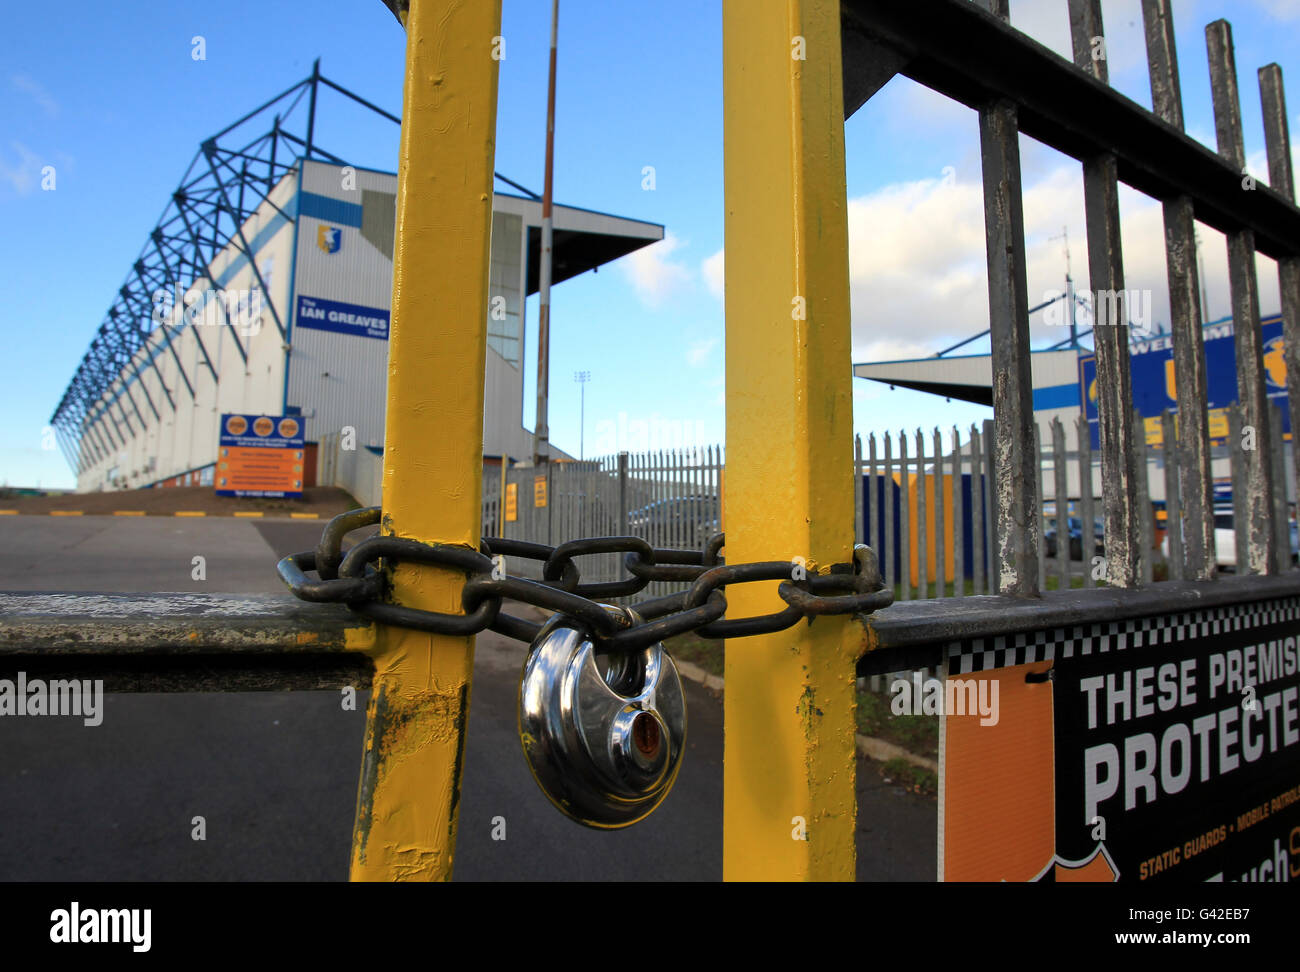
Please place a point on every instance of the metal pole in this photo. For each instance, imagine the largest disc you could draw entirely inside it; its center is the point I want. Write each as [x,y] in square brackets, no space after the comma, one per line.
[622,495]
[1143,487]
[419,703]
[1038,468]
[991,576]
[940,549]
[1173,508]
[1239,500]
[501,499]
[905,530]
[857,490]
[1244,287]
[1083,439]
[1188,313]
[959,546]
[888,556]
[1061,489]
[978,522]
[311,107]
[789,762]
[871,505]
[922,516]
[582,377]
[1110,328]
[1281,516]
[1281,179]
[542,432]
[1014,503]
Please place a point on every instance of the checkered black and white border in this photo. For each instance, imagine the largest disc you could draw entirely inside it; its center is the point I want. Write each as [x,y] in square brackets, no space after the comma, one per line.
[1004,651]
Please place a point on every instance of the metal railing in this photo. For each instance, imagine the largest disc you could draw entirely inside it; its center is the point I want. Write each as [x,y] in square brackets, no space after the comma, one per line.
[671,498]
[971,53]
[925,505]
[359,471]
[789,431]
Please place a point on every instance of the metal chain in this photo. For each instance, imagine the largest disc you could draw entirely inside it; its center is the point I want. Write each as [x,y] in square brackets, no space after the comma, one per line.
[354,579]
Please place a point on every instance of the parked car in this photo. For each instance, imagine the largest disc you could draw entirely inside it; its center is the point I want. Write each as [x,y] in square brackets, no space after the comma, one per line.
[690,517]
[1225,540]
[1075,525]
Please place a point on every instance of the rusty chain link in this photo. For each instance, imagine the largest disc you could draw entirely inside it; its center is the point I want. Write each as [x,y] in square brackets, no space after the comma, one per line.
[355,579]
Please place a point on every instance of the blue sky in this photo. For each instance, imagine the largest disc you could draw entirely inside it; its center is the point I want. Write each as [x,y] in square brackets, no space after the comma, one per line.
[111,97]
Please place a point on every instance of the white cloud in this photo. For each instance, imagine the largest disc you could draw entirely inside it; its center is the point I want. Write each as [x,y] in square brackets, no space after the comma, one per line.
[917,263]
[895,349]
[23,176]
[927,110]
[698,353]
[37,92]
[1281,9]
[1049,24]
[654,277]
[1257,162]
[713,271]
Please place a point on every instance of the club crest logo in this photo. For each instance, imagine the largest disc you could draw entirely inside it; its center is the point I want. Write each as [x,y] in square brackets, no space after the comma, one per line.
[329,238]
[1275,363]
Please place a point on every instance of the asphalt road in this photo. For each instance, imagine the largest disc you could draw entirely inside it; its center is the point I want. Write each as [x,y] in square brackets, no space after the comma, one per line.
[273,775]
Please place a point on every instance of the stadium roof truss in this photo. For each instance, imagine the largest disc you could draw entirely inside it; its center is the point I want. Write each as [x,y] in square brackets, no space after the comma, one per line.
[230,176]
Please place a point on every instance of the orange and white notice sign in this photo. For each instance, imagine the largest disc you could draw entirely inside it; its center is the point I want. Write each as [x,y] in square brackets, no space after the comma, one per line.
[260,455]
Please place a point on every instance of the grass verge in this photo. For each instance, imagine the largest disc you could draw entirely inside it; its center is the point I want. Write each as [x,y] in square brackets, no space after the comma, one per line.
[918,779]
[916,733]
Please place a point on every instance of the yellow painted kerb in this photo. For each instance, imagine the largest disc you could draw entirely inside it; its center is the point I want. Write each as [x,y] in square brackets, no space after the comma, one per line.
[789,807]
[415,735]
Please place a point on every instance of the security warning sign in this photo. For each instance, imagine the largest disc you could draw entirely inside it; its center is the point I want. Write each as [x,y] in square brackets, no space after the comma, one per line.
[1178,746]
[1175,751]
[260,455]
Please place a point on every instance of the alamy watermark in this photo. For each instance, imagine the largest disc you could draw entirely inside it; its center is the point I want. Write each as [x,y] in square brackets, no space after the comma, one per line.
[58,697]
[647,435]
[75,924]
[1102,308]
[241,309]
[946,697]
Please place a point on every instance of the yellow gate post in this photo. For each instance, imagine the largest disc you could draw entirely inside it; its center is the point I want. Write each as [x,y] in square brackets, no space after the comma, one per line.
[433,450]
[789,803]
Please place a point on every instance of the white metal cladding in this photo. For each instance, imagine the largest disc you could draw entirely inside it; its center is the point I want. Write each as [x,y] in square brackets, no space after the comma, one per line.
[1055,380]
[132,446]
[1050,368]
[340,379]
[503,432]
[328,237]
[506,318]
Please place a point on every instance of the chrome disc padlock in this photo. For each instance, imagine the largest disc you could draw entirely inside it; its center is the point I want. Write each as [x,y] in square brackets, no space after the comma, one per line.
[604,742]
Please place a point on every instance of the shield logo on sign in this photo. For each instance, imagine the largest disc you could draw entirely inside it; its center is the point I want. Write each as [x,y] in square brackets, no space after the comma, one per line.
[329,238]
[1275,363]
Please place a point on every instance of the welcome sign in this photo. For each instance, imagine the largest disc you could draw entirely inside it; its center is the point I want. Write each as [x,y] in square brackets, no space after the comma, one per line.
[260,455]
